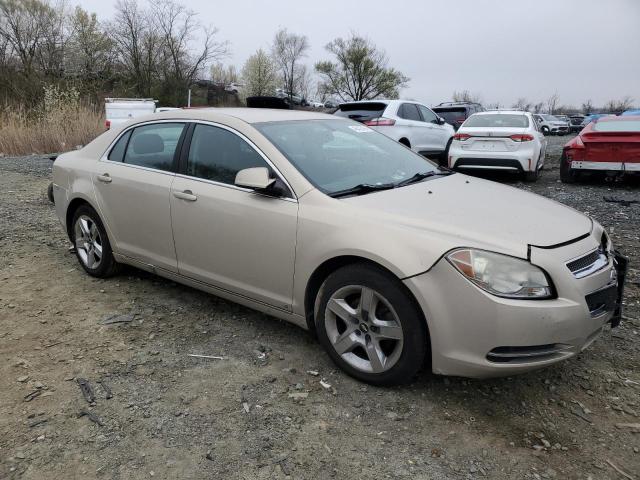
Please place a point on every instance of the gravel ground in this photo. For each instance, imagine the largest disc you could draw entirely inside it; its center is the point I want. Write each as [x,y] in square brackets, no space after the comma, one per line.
[261,411]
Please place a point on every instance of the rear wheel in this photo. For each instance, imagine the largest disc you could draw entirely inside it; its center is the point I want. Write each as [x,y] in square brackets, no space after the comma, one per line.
[567,174]
[370,326]
[444,157]
[92,244]
[405,142]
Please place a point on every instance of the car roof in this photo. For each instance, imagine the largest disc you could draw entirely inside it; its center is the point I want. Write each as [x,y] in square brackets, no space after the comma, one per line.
[248,115]
[498,112]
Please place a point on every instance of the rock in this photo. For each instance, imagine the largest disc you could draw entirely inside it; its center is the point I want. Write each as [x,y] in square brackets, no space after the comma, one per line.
[22,378]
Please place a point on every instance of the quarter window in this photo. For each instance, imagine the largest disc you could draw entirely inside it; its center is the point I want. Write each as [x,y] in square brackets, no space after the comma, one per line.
[218,154]
[409,111]
[154,146]
[117,152]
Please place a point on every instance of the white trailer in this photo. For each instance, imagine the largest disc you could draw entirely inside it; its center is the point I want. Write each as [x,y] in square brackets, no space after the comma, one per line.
[120,110]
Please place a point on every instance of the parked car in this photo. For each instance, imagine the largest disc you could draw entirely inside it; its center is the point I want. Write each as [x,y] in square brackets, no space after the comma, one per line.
[455,113]
[499,140]
[292,98]
[632,112]
[591,117]
[315,104]
[410,123]
[396,261]
[121,110]
[550,124]
[609,145]
[575,123]
[233,87]
[331,104]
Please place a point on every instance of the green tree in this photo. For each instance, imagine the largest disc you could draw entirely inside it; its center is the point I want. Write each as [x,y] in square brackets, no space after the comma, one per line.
[359,72]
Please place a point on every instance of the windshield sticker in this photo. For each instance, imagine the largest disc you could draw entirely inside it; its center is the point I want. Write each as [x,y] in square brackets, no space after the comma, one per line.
[360,128]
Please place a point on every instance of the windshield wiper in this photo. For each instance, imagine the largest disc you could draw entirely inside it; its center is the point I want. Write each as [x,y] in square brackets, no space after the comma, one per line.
[421,176]
[362,188]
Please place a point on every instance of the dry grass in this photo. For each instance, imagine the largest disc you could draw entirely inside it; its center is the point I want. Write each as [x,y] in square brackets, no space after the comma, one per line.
[23,132]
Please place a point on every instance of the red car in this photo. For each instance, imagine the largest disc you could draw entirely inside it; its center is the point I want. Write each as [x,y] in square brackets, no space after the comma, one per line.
[609,145]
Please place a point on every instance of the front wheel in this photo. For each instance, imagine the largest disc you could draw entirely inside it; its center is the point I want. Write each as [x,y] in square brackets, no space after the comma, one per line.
[370,326]
[92,244]
[545,131]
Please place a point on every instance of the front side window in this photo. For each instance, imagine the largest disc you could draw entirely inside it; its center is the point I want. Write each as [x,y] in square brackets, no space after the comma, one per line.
[218,154]
[338,154]
[154,145]
[427,115]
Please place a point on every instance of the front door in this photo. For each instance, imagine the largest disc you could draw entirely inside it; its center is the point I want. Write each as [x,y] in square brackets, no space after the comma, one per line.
[132,186]
[231,237]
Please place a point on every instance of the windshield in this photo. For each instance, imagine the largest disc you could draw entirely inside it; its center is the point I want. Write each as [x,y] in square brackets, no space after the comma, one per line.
[497,120]
[336,155]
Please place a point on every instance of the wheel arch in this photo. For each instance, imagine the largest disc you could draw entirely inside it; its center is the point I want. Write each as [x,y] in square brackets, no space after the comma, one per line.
[74,204]
[322,272]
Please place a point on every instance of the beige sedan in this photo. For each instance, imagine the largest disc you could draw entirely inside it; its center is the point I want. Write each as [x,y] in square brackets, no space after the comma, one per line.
[321,221]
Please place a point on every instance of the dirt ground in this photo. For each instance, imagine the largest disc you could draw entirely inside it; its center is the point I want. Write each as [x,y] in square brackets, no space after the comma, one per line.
[261,412]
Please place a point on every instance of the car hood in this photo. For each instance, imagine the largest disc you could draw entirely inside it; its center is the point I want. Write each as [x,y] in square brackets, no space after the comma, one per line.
[458,210]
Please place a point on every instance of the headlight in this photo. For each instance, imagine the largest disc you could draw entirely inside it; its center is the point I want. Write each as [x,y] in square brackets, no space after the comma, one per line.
[501,275]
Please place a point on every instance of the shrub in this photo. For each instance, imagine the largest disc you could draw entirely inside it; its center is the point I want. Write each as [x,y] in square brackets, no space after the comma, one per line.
[58,124]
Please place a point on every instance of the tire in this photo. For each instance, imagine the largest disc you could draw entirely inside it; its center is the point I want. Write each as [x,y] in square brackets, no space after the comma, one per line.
[50,193]
[405,142]
[443,160]
[387,346]
[567,175]
[545,131]
[531,177]
[91,243]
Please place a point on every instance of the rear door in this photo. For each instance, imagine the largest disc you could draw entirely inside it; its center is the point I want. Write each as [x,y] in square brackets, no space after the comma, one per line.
[228,236]
[419,132]
[132,185]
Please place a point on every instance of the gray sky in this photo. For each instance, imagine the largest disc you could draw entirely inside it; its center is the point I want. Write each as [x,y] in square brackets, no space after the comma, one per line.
[500,49]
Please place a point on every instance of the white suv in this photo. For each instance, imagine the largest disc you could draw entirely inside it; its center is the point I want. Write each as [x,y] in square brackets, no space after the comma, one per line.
[499,140]
[410,123]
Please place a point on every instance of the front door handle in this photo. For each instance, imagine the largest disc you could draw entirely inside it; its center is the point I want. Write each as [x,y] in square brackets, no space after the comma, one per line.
[105,178]
[185,195]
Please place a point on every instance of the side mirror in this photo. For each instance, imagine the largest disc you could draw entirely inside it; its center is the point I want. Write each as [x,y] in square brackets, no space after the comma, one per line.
[256,178]
[440,121]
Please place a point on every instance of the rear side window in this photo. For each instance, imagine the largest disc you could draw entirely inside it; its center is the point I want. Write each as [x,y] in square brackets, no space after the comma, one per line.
[409,111]
[361,112]
[218,154]
[617,126]
[497,120]
[117,152]
[153,146]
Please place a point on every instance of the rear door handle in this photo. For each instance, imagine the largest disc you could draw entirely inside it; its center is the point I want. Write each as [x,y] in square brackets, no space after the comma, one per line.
[185,195]
[105,178]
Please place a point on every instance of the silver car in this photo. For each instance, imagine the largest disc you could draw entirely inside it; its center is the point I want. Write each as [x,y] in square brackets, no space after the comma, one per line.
[393,262]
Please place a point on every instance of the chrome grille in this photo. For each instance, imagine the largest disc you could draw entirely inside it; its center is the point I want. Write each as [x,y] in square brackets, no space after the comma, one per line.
[589,263]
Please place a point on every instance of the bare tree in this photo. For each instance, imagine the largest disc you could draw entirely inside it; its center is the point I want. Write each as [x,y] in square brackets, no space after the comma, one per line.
[260,74]
[288,49]
[466,96]
[360,71]
[552,103]
[619,106]
[224,74]
[494,106]
[181,60]
[587,107]
[23,26]
[522,104]
[538,107]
